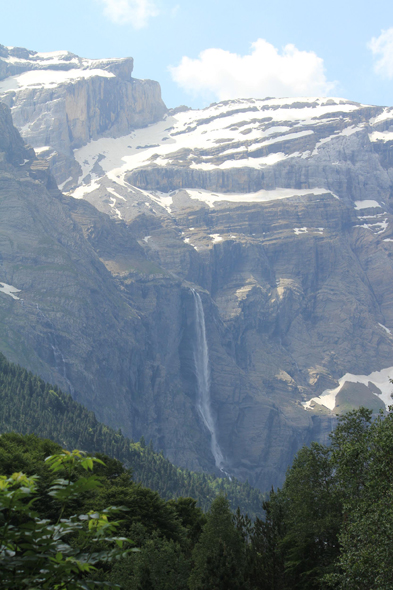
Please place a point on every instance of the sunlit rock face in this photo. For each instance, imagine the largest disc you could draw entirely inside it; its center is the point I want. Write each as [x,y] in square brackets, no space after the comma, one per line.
[277,212]
[60,101]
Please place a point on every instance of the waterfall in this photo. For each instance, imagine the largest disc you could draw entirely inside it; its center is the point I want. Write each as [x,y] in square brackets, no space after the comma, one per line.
[202,370]
[60,362]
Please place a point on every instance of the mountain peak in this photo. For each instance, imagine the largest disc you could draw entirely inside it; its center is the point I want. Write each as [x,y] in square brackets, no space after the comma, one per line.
[14,61]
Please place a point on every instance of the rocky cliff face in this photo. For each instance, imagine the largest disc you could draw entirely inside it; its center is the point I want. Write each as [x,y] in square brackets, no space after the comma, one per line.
[281,211]
[278,212]
[60,102]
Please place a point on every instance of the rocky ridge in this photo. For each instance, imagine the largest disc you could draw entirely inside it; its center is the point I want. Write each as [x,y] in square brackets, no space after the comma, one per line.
[60,101]
[279,213]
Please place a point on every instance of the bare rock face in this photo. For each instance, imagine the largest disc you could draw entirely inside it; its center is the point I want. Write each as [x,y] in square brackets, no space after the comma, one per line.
[64,315]
[60,102]
[278,212]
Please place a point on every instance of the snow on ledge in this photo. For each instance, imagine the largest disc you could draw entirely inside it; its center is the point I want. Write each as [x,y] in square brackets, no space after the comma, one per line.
[9,290]
[81,191]
[385,328]
[381,136]
[49,78]
[366,205]
[259,197]
[378,378]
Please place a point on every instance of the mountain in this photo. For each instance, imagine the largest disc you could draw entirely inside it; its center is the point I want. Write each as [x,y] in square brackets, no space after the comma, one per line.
[62,101]
[207,275]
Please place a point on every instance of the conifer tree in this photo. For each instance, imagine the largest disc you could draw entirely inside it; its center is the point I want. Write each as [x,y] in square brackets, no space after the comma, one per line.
[219,556]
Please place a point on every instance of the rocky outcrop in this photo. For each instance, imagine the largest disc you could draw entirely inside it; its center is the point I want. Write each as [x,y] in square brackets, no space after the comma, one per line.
[12,147]
[60,102]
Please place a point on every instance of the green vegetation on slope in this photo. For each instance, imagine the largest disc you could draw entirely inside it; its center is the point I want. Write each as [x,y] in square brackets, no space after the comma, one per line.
[57,552]
[330,526]
[179,546]
[29,405]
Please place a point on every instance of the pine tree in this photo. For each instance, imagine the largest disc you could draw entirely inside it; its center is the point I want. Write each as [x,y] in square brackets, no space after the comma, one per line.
[219,556]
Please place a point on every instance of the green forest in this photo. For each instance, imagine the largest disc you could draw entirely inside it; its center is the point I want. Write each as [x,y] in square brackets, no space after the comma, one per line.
[330,526]
[78,521]
[29,405]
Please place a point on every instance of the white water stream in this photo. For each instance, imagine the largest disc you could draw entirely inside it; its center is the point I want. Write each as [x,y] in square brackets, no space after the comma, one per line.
[202,370]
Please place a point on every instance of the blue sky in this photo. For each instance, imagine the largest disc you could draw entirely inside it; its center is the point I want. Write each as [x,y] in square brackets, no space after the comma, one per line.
[209,50]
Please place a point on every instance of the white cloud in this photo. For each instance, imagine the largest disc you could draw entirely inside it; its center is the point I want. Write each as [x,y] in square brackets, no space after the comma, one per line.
[134,12]
[382,49]
[263,72]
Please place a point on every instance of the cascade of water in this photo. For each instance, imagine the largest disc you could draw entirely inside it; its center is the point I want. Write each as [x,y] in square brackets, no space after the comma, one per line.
[60,362]
[202,370]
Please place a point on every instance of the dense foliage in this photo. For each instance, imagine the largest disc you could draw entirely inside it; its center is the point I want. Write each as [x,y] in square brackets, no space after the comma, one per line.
[171,535]
[330,526]
[29,405]
[62,552]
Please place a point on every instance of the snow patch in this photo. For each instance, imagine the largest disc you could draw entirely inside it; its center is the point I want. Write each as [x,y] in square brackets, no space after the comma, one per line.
[258,197]
[366,204]
[379,378]
[83,190]
[385,328]
[162,199]
[381,136]
[216,238]
[49,78]
[344,133]
[386,114]
[300,230]
[261,162]
[112,204]
[44,148]
[321,142]
[62,185]
[365,226]
[351,130]
[383,225]
[377,216]
[9,290]
[113,192]
[215,131]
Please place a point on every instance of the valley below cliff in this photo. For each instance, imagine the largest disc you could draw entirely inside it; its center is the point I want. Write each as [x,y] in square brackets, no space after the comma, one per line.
[240,255]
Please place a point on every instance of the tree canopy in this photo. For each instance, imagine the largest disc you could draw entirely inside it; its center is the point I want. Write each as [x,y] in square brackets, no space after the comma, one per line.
[329,526]
[29,405]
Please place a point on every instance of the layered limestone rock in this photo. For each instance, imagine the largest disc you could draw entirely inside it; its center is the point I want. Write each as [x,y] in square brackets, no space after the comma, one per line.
[60,102]
[284,208]
[65,317]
